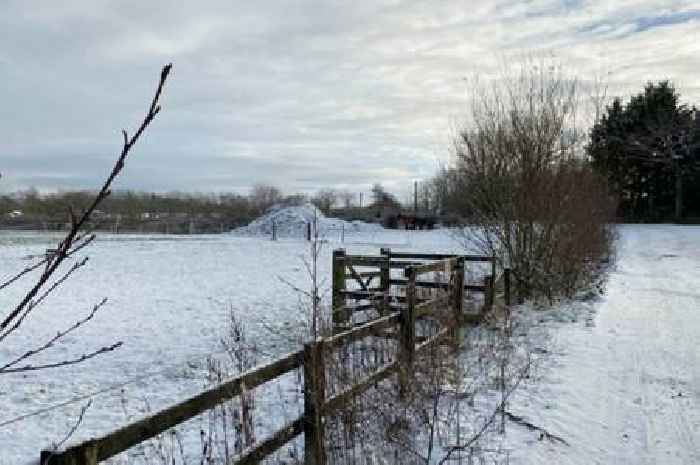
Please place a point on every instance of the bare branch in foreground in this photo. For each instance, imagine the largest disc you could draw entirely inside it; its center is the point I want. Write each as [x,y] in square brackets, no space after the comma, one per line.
[66,244]
[53,340]
[78,245]
[74,240]
[63,363]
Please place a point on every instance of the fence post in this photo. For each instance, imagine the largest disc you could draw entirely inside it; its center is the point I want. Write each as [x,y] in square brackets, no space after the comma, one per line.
[506,285]
[408,333]
[493,269]
[247,425]
[458,294]
[308,232]
[274,231]
[314,398]
[459,288]
[488,292]
[84,455]
[338,299]
[385,279]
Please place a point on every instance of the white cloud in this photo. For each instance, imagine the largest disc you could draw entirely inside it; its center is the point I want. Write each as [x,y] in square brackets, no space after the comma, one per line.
[300,93]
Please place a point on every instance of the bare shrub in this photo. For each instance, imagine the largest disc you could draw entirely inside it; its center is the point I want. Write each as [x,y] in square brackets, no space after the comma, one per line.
[316,317]
[453,406]
[263,196]
[224,431]
[446,407]
[325,199]
[534,202]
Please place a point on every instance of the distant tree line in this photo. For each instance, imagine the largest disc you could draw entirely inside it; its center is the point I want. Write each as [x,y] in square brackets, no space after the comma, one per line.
[179,212]
[127,210]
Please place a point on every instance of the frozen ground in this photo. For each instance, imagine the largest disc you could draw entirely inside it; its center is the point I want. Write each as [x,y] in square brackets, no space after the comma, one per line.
[621,382]
[168,301]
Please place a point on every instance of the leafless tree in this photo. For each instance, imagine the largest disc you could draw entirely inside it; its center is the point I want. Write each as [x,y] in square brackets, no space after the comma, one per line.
[263,196]
[534,202]
[325,199]
[52,270]
[347,198]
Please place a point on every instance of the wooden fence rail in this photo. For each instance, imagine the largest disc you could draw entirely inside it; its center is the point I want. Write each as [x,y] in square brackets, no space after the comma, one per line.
[99,449]
[311,360]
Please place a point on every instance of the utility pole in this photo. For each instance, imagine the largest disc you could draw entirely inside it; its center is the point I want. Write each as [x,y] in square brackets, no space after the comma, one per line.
[415,197]
[360,199]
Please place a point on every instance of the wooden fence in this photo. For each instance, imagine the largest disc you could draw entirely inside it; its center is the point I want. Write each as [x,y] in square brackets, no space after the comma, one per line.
[399,306]
[366,284]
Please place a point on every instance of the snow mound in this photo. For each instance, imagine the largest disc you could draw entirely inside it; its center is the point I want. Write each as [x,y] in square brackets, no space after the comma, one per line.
[292,221]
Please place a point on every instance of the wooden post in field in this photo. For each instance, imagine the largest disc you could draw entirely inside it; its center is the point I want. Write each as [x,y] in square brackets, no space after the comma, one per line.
[385,279]
[274,231]
[314,398]
[338,299]
[408,333]
[506,286]
[308,231]
[342,233]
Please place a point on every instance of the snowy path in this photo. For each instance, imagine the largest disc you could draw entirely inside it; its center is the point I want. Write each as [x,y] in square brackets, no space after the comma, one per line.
[626,389]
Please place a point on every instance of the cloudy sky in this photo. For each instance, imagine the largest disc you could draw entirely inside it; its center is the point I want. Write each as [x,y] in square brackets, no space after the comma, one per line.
[301,94]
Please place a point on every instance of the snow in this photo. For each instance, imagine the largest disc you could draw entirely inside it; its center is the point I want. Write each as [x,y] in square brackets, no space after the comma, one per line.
[620,381]
[293,221]
[623,383]
[169,297]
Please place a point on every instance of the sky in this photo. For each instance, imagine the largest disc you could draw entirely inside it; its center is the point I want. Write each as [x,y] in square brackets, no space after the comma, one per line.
[300,94]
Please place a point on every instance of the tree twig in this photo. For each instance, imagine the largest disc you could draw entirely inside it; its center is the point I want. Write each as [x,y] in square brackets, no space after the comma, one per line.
[65,246]
[53,340]
[74,240]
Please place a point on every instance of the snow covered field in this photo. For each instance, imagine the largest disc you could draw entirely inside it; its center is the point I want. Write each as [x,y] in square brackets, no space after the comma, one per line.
[169,298]
[621,383]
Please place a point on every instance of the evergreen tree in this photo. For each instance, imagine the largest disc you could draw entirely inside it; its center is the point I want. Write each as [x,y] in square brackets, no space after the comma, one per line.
[648,149]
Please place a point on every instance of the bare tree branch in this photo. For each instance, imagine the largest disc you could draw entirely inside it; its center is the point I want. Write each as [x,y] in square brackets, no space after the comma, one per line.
[489,421]
[59,335]
[66,244]
[75,240]
[34,303]
[82,358]
[75,426]
[47,258]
